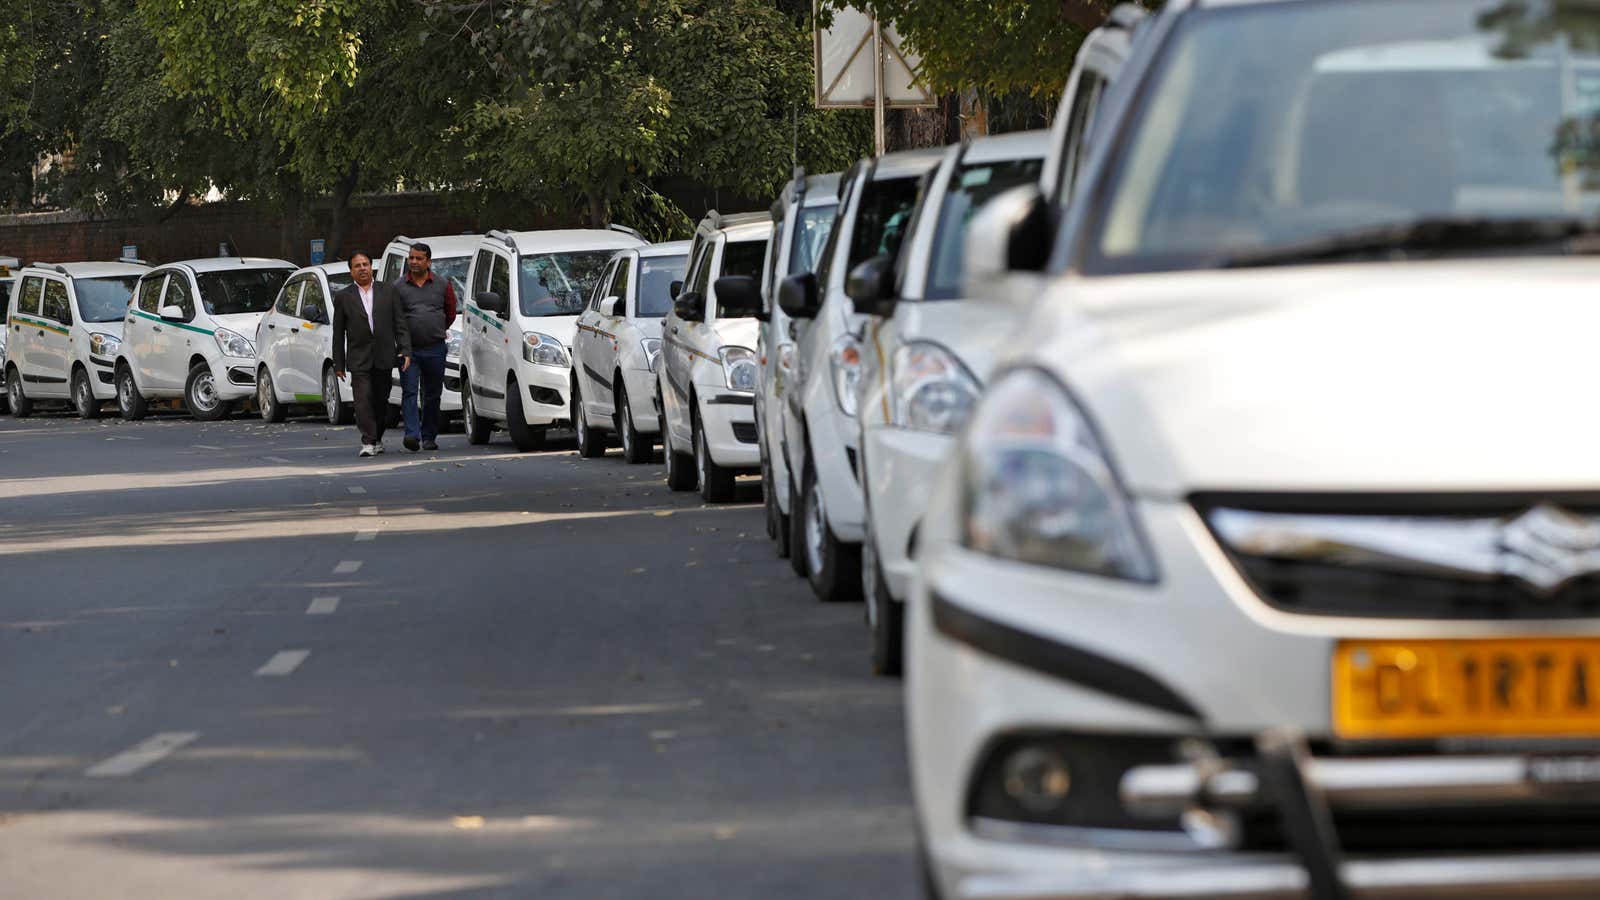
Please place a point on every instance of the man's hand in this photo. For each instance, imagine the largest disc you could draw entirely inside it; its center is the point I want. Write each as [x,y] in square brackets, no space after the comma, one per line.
[339,374]
[405,363]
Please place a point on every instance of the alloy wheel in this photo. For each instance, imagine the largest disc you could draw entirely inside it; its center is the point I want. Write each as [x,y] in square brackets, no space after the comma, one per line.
[205,392]
[816,525]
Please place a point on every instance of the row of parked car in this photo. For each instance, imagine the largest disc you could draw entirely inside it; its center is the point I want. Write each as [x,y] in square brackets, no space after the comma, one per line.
[1216,464]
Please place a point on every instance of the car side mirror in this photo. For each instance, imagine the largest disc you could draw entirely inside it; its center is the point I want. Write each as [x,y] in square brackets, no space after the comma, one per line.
[1010,233]
[612,306]
[738,297]
[797,295]
[314,314]
[690,306]
[675,289]
[172,313]
[870,287]
[492,302]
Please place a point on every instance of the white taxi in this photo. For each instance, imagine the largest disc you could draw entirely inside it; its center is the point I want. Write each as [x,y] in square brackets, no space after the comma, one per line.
[452,258]
[189,333]
[615,351]
[708,372]
[65,330]
[295,341]
[527,290]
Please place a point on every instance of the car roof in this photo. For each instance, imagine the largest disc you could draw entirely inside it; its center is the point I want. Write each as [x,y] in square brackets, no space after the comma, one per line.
[715,221]
[219,263]
[1003,147]
[441,245]
[87,269]
[561,239]
[822,190]
[753,231]
[907,163]
[668,248]
[333,268]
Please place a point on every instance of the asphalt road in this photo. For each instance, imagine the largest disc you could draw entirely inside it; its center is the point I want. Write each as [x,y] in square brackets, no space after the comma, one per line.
[236,660]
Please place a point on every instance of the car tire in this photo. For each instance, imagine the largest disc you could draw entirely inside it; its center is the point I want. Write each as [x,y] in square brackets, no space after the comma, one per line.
[524,436]
[886,619]
[680,466]
[590,445]
[636,448]
[267,398]
[477,427]
[715,482]
[21,403]
[336,411]
[777,522]
[130,402]
[833,567]
[83,395]
[797,537]
[200,395]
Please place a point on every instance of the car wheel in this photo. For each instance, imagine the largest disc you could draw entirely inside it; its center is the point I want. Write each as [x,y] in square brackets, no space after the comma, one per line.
[526,437]
[636,448]
[590,445]
[267,398]
[885,617]
[777,522]
[477,427]
[797,536]
[21,403]
[83,395]
[130,402]
[833,566]
[337,411]
[200,394]
[715,482]
[680,468]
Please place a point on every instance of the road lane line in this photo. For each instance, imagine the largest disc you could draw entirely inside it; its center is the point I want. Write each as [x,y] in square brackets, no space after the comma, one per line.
[205,447]
[276,459]
[322,606]
[364,536]
[151,751]
[347,567]
[369,510]
[356,490]
[283,662]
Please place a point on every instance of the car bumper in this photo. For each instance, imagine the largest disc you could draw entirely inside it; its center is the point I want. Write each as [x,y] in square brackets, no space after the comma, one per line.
[729,420]
[901,468]
[641,385]
[449,397]
[235,378]
[834,451]
[545,393]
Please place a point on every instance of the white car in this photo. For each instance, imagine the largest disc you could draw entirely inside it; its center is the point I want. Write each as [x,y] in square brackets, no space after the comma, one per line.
[65,329]
[1266,564]
[820,434]
[526,292]
[707,373]
[295,347]
[802,216]
[452,258]
[931,346]
[190,331]
[615,351]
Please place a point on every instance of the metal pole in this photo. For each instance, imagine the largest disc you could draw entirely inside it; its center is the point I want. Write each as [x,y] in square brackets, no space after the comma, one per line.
[878,127]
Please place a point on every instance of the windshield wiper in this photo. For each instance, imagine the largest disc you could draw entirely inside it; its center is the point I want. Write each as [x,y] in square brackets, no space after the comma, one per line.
[1426,237]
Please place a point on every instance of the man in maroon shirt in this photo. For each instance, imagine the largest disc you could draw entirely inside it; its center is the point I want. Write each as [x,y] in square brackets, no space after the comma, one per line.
[430,307]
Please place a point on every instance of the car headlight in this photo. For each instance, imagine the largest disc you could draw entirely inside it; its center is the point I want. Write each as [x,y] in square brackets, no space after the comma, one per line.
[102,344]
[652,351]
[846,359]
[231,343]
[1038,488]
[544,350]
[740,368]
[930,389]
[452,344]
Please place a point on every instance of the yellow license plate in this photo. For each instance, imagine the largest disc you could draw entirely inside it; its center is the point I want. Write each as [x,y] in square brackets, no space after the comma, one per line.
[1544,687]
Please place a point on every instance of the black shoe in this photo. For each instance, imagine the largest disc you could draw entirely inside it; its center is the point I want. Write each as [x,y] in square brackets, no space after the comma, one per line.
[411,443]
[430,445]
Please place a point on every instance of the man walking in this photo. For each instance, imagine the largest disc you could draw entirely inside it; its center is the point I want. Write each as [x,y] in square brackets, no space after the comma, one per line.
[430,307]
[369,337]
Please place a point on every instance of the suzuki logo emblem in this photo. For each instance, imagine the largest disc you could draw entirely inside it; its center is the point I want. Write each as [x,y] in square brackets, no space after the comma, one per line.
[1547,546]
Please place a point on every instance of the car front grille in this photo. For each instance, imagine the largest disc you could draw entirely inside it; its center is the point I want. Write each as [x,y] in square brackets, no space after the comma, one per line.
[745,432]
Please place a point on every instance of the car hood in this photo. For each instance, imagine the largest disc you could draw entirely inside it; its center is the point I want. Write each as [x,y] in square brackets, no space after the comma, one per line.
[646,327]
[241,323]
[562,328]
[1435,376]
[737,332]
[976,331]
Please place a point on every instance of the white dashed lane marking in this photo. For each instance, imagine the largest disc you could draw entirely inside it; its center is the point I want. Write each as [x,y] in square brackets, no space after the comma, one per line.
[206,447]
[364,536]
[347,567]
[151,751]
[369,510]
[283,662]
[356,490]
[322,606]
[276,459]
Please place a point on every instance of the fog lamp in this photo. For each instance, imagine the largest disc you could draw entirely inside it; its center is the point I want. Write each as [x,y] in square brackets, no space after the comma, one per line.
[1036,778]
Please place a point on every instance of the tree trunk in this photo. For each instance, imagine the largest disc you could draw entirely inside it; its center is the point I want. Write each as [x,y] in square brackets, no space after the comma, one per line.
[293,211]
[1085,14]
[599,208]
[342,193]
[974,114]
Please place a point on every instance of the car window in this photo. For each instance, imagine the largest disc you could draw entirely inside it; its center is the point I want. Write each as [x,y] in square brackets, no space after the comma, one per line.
[702,272]
[105,299]
[500,277]
[32,289]
[314,302]
[480,274]
[5,298]
[233,291]
[1085,102]
[150,293]
[394,267]
[656,275]
[769,268]
[178,295]
[452,269]
[810,235]
[557,284]
[289,300]
[743,258]
[830,247]
[970,187]
[881,219]
[619,283]
[56,304]
[602,288]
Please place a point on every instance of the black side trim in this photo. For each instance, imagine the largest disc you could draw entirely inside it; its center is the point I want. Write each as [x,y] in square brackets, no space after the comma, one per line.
[1485,503]
[101,361]
[1056,659]
[43,379]
[488,392]
[732,400]
[604,381]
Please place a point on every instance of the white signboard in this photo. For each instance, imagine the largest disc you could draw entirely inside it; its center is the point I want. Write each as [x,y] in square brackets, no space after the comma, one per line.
[844,66]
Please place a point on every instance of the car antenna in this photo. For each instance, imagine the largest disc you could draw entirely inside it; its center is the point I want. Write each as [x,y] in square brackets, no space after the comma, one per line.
[235,248]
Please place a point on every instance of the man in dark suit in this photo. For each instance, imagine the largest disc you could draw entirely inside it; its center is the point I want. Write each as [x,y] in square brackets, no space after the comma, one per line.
[369,336]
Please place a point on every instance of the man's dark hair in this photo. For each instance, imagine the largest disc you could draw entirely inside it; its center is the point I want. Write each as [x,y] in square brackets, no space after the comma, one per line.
[352,259]
[426,250]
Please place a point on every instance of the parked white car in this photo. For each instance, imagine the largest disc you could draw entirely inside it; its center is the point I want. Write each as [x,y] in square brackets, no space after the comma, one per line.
[452,259]
[708,372]
[820,434]
[1266,565]
[65,332]
[616,349]
[802,216]
[295,346]
[930,348]
[527,290]
[189,333]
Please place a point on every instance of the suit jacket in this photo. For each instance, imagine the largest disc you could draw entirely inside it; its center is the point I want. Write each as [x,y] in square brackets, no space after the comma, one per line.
[375,346]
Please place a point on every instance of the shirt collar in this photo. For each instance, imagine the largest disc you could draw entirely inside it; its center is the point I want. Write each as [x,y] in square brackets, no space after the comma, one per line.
[426,280]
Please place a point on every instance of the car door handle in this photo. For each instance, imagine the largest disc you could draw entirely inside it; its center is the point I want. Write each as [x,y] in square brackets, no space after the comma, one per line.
[271,327]
[295,330]
[155,327]
[674,329]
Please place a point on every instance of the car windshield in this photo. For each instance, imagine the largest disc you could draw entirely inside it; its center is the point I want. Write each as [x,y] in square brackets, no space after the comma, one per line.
[744,258]
[338,281]
[5,298]
[810,234]
[240,290]
[558,284]
[656,275]
[1275,126]
[970,187]
[453,269]
[104,299]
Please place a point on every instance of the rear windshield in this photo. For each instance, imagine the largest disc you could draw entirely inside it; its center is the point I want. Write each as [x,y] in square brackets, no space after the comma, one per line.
[744,258]
[5,298]
[656,275]
[454,270]
[558,284]
[970,188]
[338,281]
[240,290]
[104,299]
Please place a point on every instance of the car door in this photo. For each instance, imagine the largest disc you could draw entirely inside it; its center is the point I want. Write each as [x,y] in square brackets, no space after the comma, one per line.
[137,328]
[169,361]
[608,332]
[311,336]
[496,363]
[585,343]
[276,348]
[55,341]
[701,337]
[24,327]
[678,345]
[473,335]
